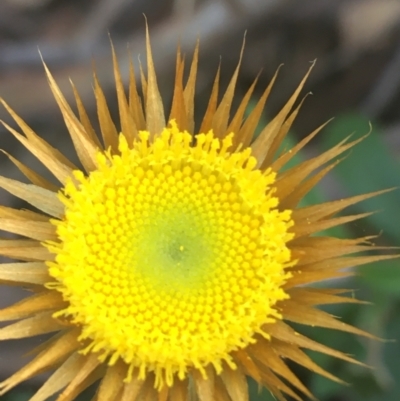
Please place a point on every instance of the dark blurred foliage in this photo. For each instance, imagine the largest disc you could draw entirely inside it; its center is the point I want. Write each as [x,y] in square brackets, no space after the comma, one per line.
[356,79]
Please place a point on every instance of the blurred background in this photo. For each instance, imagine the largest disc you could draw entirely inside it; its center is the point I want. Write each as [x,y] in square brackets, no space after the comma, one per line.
[356,80]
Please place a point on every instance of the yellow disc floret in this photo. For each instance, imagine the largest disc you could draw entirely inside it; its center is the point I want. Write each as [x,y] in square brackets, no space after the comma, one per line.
[172,254]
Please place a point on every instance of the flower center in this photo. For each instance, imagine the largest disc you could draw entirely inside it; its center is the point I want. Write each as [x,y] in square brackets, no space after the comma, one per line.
[173,248]
[171,255]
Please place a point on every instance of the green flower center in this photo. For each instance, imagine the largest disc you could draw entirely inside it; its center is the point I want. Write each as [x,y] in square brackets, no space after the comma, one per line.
[175,248]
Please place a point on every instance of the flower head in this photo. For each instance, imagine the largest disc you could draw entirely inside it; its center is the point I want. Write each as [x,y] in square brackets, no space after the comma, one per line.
[173,261]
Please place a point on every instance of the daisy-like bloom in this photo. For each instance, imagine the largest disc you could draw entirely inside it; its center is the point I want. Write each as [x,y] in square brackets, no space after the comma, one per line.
[170,266]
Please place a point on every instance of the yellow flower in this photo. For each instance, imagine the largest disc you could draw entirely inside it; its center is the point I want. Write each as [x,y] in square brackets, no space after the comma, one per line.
[172,264]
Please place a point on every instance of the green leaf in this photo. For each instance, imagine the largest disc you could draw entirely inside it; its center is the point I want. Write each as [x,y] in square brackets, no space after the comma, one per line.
[382,277]
[369,167]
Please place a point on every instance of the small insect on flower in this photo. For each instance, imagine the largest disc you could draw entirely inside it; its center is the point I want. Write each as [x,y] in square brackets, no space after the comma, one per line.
[171,266]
